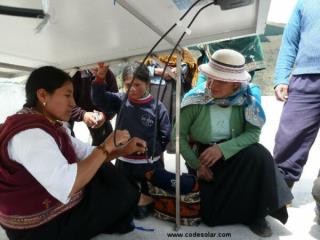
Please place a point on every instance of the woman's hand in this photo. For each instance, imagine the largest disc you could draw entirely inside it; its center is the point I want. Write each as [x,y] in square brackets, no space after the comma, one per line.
[205,173]
[133,145]
[100,119]
[121,136]
[281,92]
[100,71]
[89,119]
[125,145]
[210,156]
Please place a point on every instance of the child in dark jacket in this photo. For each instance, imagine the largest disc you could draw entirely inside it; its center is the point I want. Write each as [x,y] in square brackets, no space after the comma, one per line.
[138,116]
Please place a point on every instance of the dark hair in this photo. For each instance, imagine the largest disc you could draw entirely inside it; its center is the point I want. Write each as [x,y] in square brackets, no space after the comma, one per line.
[141,71]
[47,77]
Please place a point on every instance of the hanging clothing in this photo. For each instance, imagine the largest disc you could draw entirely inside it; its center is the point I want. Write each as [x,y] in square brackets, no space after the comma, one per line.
[250,47]
[167,88]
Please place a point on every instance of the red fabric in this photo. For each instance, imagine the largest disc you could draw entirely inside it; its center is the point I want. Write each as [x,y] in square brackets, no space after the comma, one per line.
[141,101]
[167,205]
[99,80]
[20,193]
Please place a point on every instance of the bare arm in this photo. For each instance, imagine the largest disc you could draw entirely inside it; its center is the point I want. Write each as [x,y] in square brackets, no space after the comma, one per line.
[88,167]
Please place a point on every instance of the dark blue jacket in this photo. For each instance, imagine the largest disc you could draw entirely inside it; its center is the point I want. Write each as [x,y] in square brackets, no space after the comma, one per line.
[137,117]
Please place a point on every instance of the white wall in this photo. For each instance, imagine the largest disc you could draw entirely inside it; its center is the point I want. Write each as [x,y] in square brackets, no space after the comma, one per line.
[12,97]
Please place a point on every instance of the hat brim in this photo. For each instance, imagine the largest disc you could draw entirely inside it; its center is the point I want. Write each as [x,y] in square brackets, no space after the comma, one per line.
[243,77]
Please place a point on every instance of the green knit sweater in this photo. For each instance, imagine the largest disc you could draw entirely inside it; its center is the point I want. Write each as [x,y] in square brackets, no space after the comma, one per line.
[195,122]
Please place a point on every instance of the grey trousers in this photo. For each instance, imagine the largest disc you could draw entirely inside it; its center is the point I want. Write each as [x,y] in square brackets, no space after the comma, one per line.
[299,125]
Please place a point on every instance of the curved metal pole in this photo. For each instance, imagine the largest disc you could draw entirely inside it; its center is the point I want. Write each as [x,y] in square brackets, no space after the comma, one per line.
[178,94]
[21,12]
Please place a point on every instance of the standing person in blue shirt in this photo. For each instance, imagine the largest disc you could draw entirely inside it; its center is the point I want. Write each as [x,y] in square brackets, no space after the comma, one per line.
[297,84]
[138,116]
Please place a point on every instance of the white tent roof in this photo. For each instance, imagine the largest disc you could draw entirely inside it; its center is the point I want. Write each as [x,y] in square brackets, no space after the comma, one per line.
[82,32]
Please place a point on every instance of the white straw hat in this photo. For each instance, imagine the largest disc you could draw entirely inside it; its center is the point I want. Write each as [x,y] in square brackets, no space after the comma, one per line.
[226,65]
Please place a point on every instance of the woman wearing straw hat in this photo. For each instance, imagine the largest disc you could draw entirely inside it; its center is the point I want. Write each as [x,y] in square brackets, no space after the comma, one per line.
[221,122]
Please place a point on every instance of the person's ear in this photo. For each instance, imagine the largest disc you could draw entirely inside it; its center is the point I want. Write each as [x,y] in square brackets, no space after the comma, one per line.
[42,96]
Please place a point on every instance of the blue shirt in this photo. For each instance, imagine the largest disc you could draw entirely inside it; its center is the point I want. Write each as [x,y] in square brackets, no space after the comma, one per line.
[300,48]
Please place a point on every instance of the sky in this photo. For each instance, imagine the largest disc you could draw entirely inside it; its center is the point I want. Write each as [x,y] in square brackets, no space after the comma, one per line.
[280,10]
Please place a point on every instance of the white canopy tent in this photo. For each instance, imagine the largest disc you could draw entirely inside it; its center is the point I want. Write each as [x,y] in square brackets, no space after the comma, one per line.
[83,32]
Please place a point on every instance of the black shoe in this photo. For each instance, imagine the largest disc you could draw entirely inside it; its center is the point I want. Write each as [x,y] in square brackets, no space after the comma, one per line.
[290,185]
[281,214]
[143,211]
[261,228]
[126,228]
